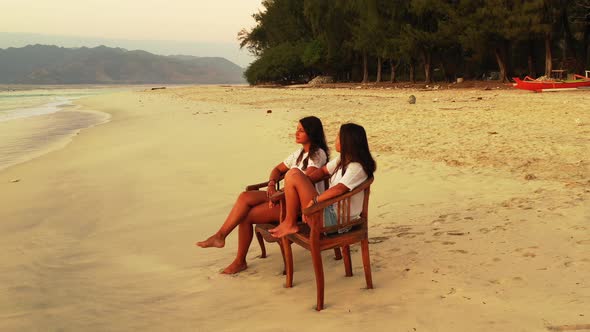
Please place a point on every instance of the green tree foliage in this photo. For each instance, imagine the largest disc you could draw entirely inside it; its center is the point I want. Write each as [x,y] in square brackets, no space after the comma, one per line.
[281,63]
[297,39]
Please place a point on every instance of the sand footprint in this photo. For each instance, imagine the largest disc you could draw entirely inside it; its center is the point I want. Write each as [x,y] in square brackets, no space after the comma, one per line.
[459,251]
[378,239]
[409,235]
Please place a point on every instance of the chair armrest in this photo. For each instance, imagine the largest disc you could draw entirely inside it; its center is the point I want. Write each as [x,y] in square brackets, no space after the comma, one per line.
[315,208]
[257,186]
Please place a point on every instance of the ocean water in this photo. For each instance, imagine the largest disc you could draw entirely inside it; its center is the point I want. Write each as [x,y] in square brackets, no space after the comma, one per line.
[19,102]
[38,120]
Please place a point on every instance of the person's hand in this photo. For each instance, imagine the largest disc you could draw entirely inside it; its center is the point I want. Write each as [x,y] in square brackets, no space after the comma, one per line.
[304,217]
[271,190]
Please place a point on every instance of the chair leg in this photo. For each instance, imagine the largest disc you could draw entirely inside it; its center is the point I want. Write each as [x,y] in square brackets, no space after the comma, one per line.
[367,262]
[280,243]
[337,254]
[286,244]
[316,256]
[347,261]
[261,242]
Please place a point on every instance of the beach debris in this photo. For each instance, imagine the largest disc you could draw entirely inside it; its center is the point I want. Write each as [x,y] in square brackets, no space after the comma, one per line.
[493,132]
[321,80]
[530,177]
[159,88]
[268,111]
[412,99]
[15,180]
[479,98]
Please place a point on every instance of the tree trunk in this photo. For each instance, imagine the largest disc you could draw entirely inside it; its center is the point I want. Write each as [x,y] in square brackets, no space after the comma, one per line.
[412,78]
[570,41]
[365,68]
[444,72]
[427,67]
[586,44]
[531,63]
[393,65]
[378,70]
[548,57]
[501,64]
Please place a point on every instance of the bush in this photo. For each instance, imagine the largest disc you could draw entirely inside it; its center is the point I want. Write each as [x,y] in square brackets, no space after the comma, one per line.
[280,64]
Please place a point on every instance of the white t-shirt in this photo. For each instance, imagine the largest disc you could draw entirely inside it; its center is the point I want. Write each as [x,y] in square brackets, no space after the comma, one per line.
[318,160]
[354,176]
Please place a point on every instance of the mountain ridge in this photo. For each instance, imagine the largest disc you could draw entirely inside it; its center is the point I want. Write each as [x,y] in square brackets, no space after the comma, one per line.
[50,64]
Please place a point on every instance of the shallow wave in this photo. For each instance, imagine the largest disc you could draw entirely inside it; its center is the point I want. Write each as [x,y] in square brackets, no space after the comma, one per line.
[28,138]
[34,111]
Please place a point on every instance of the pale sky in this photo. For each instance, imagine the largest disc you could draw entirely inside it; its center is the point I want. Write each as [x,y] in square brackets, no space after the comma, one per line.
[177,20]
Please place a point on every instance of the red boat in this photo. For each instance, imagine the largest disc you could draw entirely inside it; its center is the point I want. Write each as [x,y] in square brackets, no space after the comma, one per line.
[578,83]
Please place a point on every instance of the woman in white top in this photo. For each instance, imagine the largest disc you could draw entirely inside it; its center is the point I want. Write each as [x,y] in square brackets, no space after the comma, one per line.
[354,166]
[253,207]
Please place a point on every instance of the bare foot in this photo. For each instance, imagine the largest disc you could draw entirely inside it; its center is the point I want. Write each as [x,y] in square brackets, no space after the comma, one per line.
[283,229]
[235,267]
[214,240]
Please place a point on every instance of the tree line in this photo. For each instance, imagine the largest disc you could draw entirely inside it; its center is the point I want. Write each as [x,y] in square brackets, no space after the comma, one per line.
[362,40]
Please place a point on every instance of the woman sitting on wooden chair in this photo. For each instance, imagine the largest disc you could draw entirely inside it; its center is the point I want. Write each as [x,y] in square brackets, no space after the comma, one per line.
[354,165]
[253,207]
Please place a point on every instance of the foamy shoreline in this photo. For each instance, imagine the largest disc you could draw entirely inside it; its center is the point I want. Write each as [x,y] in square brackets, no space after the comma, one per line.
[29,135]
[100,235]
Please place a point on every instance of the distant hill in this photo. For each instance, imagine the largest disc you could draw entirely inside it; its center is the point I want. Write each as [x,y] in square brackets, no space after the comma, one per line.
[44,64]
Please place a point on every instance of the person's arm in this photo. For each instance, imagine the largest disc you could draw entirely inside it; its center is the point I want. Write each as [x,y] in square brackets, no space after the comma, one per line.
[310,170]
[334,191]
[317,174]
[354,176]
[274,176]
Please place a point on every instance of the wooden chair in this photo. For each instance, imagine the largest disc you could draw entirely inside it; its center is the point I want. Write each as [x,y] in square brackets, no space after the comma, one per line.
[314,237]
[262,230]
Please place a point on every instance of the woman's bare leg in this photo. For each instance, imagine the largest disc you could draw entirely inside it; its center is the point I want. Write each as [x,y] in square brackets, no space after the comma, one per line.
[245,202]
[259,214]
[299,191]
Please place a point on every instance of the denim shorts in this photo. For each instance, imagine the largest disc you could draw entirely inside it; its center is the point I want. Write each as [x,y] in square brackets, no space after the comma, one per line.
[330,217]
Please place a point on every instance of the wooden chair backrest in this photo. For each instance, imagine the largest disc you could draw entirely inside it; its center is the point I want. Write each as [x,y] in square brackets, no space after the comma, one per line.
[342,207]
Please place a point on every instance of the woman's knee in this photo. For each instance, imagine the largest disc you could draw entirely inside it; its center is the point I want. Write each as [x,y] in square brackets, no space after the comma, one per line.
[245,198]
[293,173]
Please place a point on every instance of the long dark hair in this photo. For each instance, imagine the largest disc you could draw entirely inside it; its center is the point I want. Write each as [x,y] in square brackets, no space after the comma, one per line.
[315,131]
[354,147]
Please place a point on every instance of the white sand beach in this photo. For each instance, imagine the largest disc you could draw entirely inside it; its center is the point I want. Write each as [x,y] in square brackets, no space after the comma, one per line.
[479,215]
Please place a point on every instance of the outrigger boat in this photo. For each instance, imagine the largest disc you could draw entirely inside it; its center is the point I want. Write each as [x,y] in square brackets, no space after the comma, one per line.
[578,83]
